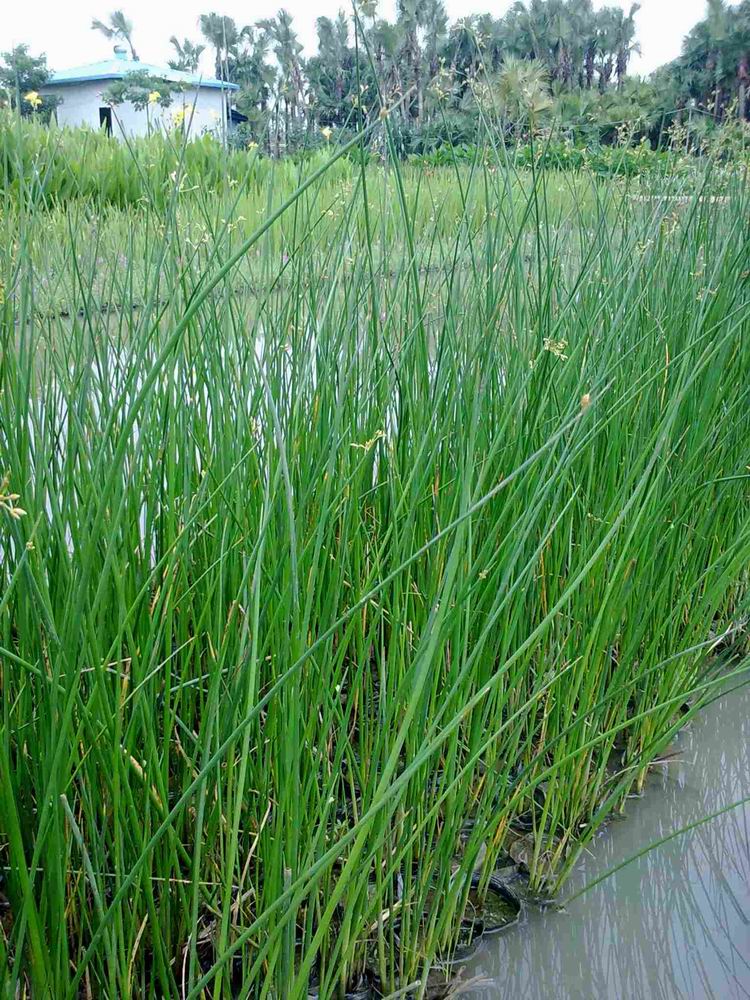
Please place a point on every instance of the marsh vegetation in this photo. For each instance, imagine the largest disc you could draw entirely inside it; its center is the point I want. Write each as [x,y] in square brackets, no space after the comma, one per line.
[362,527]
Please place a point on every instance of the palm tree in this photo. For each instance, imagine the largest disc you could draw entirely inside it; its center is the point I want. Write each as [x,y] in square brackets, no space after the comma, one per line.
[384,41]
[515,31]
[410,19]
[250,68]
[463,46]
[222,34]
[586,32]
[333,53]
[607,34]
[741,36]
[715,54]
[523,89]
[188,55]
[625,43]
[561,34]
[718,24]
[492,41]
[435,34]
[538,31]
[288,52]
[117,26]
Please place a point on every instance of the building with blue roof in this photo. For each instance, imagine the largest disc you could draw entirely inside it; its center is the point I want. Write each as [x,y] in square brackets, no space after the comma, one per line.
[202,104]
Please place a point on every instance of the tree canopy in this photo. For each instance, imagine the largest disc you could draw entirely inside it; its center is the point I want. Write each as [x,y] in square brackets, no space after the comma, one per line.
[556,57]
[21,77]
[543,59]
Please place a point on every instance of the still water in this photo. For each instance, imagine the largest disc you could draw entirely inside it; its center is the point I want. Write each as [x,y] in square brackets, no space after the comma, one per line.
[675,923]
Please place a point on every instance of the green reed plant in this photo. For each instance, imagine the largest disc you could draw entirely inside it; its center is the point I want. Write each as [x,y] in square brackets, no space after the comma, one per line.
[383,527]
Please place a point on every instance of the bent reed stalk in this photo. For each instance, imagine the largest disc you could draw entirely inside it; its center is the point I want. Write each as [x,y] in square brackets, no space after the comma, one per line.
[359,524]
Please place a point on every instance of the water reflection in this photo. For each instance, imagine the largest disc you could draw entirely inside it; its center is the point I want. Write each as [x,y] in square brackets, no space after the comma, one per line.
[675,923]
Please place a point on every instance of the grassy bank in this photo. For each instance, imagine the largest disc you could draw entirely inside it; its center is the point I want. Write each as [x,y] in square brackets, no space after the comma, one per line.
[319,597]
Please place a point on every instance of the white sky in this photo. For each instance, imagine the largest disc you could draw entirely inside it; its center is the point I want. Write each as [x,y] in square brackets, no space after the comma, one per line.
[61,28]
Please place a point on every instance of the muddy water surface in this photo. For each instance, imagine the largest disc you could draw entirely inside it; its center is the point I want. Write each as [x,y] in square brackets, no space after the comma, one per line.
[675,923]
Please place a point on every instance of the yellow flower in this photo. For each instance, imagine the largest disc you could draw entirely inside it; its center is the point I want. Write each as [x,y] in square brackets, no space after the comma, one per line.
[33,99]
[178,118]
[252,145]
[326,133]
[154,96]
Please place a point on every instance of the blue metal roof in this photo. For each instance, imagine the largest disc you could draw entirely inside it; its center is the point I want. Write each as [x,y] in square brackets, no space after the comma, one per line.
[118,68]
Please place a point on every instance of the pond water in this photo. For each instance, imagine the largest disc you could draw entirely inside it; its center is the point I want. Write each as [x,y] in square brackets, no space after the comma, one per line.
[675,923]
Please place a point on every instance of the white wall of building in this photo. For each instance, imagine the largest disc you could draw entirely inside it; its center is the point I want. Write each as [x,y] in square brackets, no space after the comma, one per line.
[203,109]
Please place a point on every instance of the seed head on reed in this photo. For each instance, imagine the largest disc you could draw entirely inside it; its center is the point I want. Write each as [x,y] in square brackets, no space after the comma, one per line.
[556,347]
[8,500]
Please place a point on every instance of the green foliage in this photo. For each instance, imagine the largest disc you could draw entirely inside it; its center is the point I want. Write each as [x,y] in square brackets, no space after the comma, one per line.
[141,89]
[602,161]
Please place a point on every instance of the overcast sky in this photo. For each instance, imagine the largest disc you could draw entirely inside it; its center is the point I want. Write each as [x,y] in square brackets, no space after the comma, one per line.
[62,28]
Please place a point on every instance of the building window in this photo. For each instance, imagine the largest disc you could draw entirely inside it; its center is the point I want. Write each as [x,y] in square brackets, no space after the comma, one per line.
[105,119]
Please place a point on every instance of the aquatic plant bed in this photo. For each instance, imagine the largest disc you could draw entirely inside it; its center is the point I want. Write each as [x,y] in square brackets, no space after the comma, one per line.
[319,605]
